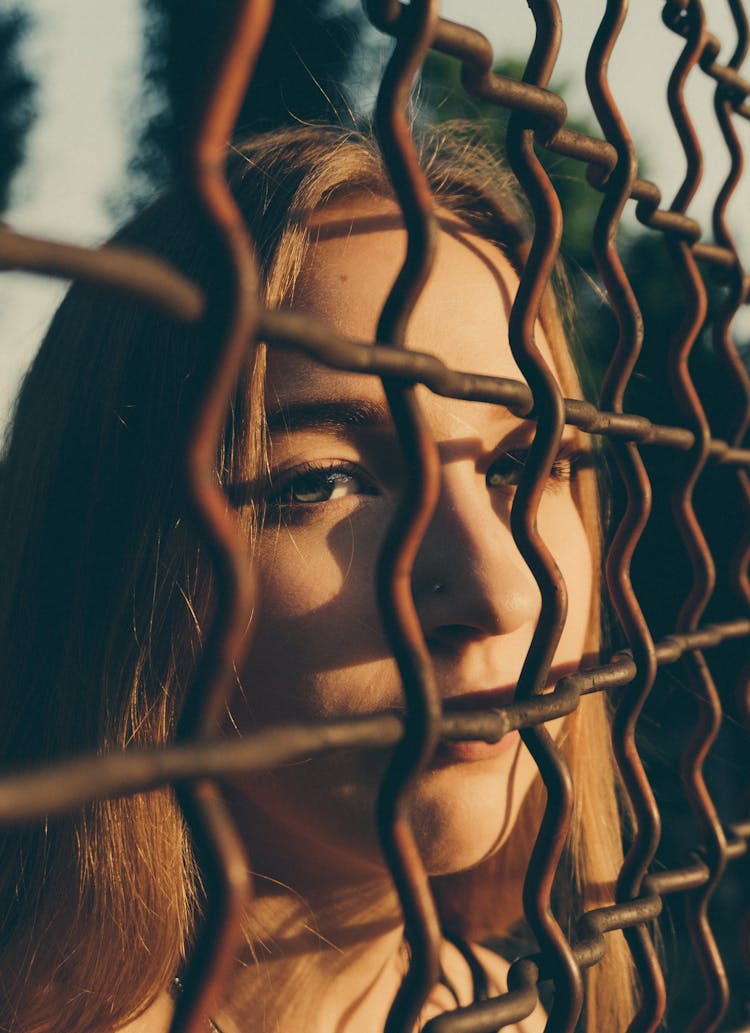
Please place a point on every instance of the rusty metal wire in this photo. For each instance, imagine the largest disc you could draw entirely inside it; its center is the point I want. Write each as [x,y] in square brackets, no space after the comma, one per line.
[198,761]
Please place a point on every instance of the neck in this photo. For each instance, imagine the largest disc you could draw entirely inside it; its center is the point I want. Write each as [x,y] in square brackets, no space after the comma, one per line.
[339,958]
[324,925]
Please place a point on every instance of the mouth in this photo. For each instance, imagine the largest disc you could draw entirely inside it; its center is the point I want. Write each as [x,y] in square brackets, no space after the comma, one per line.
[456,751]
[486,699]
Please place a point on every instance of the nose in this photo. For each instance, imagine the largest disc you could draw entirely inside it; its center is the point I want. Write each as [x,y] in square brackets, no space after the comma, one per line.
[470,581]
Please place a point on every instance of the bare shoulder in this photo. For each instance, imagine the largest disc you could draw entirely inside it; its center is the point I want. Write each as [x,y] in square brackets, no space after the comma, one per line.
[496,969]
[157,1018]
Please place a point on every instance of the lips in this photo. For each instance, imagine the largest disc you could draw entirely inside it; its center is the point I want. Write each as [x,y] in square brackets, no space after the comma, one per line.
[461,751]
[482,700]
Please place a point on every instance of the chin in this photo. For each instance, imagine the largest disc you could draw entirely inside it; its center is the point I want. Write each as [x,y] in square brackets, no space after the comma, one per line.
[464,813]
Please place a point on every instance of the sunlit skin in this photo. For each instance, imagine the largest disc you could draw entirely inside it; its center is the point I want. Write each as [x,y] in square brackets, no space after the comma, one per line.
[319,650]
[318,647]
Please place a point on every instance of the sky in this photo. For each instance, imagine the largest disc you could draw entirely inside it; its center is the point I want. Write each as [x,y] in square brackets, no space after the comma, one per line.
[87,56]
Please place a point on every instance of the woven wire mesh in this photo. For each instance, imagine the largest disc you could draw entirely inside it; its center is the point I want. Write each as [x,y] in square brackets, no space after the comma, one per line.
[198,760]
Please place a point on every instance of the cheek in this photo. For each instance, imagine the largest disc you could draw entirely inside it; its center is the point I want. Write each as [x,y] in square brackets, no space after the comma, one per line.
[301,571]
[316,632]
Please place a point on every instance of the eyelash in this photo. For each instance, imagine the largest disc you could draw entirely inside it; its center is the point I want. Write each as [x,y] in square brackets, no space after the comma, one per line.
[319,478]
[563,469]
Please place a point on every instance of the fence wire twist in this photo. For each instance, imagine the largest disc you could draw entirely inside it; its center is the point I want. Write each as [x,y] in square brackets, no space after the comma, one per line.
[198,760]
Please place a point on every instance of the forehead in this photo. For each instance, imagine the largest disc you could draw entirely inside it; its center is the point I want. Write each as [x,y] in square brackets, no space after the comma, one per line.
[461,315]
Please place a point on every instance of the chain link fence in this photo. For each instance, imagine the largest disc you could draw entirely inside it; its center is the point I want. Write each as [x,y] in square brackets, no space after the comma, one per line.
[198,761]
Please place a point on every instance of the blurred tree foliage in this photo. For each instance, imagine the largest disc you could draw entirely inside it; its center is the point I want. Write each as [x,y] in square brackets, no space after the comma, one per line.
[300,75]
[17,90]
[444,98]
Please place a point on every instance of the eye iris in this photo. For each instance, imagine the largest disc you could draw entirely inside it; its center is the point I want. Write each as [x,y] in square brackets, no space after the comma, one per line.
[507,472]
[319,487]
[308,493]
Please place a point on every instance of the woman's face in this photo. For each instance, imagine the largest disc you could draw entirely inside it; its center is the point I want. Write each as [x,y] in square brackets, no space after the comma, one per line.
[336,474]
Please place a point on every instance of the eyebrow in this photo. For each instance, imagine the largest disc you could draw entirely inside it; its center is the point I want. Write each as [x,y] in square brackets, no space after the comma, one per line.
[337,415]
[361,413]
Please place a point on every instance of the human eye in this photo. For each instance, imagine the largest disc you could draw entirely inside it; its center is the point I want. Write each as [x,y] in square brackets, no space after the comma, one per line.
[506,471]
[316,483]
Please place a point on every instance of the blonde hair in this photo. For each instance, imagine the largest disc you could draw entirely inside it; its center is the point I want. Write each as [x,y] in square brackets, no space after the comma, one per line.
[106,593]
